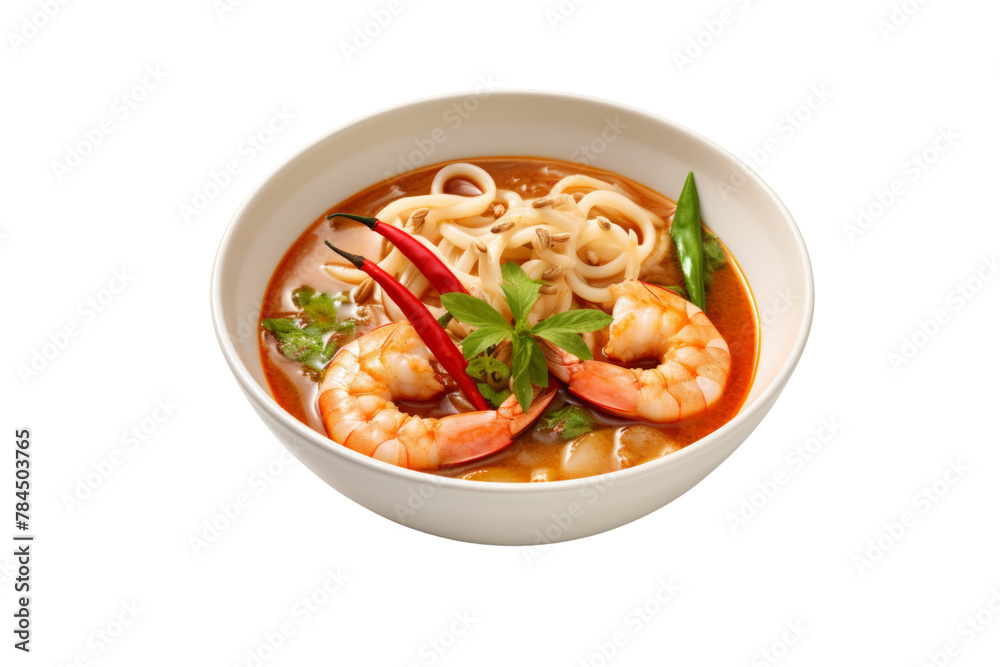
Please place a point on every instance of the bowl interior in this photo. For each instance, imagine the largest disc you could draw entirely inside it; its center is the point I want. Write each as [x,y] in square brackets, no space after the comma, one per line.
[736,204]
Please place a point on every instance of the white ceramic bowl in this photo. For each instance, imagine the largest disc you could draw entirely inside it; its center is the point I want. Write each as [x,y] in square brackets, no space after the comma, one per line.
[746,214]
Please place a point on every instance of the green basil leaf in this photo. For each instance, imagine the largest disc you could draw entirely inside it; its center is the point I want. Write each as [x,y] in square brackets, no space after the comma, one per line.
[573,321]
[480,339]
[538,371]
[570,342]
[473,311]
[520,290]
[521,369]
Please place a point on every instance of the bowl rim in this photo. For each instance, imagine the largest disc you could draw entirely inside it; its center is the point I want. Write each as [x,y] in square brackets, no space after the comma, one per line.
[264,400]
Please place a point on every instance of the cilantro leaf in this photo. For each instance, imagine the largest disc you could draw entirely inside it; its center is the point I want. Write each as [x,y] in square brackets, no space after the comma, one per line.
[320,361]
[346,328]
[300,337]
[569,421]
[302,345]
[283,325]
[305,293]
[320,309]
[714,257]
[480,339]
[473,311]
[520,290]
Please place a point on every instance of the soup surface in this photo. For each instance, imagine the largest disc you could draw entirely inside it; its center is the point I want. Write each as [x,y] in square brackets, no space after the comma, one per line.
[537,454]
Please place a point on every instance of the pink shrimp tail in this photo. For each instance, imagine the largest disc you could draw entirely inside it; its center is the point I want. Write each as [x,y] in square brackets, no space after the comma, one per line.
[477,434]
[561,363]
[606,386]
[612,388]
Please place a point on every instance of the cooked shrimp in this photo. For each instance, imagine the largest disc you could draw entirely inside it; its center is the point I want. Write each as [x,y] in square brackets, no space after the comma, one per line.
[651,321]
[391,362]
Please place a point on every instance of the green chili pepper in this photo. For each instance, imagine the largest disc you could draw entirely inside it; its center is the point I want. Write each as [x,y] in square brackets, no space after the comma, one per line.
[686,233]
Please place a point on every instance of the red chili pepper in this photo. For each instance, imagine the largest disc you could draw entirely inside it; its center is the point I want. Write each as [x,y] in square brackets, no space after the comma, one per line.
[436,271]
[432,333]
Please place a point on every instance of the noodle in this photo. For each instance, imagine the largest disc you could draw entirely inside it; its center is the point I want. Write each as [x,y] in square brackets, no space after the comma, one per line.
[551,238]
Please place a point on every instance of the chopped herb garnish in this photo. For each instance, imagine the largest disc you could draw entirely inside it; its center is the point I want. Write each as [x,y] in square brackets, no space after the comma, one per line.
[319,309]
[492,376]
[494,397]
[527,359]
[568,422]
[304,345]
[300,337]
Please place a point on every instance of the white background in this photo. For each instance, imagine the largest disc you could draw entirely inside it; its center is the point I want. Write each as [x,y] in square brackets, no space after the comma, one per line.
[827,553]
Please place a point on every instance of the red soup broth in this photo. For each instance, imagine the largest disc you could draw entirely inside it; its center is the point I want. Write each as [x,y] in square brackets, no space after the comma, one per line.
[534,455]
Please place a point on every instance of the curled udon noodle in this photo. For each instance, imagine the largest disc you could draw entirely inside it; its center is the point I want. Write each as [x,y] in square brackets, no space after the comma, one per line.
[563,237]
